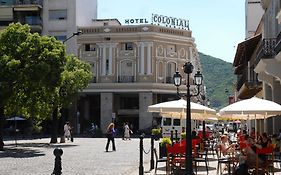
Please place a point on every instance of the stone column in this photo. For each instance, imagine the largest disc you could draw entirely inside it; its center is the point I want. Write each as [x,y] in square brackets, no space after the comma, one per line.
[106,109]
[145,118]
[276,97]
[267,91]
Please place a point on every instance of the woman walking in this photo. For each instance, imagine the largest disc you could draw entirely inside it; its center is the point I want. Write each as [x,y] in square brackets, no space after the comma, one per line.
[127,132]
[110,132]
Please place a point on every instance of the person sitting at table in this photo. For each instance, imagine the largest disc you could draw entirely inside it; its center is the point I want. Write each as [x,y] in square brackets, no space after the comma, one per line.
[225,147]
[247,157]
[263,142]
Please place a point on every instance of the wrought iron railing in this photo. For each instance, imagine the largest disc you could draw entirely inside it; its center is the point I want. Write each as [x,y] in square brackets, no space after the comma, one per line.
[266,49]
[28,2]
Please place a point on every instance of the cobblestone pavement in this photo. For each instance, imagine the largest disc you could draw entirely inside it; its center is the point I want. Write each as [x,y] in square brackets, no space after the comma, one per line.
[84,156]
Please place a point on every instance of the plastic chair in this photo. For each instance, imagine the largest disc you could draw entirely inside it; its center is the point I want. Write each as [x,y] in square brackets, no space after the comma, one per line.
[265,166]
[176,156]
[222,160]
[159,160]
[201,157]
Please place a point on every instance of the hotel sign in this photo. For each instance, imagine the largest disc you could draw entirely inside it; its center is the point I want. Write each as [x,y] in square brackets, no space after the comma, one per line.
[162,20]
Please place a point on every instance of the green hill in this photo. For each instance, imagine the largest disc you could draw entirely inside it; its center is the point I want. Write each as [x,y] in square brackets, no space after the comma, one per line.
[218,79]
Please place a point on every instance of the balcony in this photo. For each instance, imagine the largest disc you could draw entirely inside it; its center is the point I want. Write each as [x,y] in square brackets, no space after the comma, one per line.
[28,5]
[28,2]
[267,49]
[125,79]
[278,43]
[248,88]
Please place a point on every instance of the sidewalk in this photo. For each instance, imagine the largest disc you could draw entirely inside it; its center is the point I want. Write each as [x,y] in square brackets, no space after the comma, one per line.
[84,156]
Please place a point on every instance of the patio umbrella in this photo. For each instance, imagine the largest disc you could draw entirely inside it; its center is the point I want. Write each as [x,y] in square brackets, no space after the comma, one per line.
[253,108]
[15,119]
[179,107]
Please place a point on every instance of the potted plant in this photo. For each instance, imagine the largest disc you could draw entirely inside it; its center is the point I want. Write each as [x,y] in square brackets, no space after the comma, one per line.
[156,133]
[163,146]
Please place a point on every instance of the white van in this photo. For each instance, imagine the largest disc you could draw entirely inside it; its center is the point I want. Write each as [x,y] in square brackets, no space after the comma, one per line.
[171,123]
[233,126]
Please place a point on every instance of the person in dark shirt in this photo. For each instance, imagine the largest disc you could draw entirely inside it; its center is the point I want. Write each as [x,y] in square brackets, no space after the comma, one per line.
[110,134]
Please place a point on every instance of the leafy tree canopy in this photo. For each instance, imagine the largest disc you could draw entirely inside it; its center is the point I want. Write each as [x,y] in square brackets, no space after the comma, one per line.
[34,70]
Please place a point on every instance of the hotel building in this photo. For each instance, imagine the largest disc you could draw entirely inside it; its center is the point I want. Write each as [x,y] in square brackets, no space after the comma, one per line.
[133,67]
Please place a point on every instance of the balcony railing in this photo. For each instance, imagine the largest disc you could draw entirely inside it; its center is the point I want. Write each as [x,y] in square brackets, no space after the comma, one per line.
[28,2]
[278,43]
[125,79]
[266,49]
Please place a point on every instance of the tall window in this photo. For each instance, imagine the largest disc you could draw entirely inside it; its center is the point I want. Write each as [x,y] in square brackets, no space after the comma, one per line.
[107,66]
[127,46]
[90,47]
[58,14]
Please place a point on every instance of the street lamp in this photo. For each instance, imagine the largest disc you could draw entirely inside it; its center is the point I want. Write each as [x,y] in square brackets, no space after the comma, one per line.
[188,68]
[74,34]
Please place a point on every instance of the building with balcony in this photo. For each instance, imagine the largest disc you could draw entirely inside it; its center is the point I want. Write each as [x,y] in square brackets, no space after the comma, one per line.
[23,11]
[258,63]
[133,67]
[50,17]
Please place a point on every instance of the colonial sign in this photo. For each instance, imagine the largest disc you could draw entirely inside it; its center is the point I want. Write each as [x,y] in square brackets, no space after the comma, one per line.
[161,20]
[170,21]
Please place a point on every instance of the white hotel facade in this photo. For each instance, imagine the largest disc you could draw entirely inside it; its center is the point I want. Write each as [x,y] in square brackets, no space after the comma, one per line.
[133,66]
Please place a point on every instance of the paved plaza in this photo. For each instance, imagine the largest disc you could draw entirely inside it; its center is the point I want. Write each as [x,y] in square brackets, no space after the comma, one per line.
[84,156]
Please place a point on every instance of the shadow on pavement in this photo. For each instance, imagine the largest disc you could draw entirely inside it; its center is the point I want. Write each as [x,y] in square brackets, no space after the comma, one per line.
[20,153]
[41,145]
[28,150]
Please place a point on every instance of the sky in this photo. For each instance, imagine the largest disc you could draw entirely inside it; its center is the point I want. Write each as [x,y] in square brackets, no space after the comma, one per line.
[217,25]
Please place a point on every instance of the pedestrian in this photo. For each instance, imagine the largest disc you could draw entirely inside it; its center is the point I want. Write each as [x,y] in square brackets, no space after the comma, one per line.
[127,132]
[66,129]
[110,133]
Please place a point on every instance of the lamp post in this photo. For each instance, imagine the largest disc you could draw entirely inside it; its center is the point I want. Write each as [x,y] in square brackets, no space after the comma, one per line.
[74,34]
[188,68]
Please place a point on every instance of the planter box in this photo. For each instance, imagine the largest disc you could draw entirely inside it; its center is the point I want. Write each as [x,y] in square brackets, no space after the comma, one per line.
[162,151]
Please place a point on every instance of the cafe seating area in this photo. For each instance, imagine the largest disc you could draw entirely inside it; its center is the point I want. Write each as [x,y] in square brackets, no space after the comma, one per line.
[209,156]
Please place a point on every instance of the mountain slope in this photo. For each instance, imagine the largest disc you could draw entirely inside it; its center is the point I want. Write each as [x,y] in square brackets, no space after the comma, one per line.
[218,78]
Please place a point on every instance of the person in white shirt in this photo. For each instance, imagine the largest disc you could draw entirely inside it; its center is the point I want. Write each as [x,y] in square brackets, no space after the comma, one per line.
[66,129]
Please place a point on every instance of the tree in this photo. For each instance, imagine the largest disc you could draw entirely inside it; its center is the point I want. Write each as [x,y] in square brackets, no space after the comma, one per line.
[30,73]
[75,77]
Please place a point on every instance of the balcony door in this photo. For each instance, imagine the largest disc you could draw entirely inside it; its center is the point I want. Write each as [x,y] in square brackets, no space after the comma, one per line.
[126,71]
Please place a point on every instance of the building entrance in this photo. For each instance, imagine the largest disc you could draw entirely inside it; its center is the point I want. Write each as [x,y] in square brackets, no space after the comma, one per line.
[133,121]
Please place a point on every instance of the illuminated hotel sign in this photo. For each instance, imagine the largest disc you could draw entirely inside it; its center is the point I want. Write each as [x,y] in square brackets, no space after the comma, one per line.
[162,20]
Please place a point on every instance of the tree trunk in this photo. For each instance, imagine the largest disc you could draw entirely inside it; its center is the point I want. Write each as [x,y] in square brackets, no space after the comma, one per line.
[54,126]
[1,127]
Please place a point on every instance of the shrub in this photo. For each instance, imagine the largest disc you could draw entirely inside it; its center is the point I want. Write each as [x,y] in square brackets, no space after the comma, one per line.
[165,141]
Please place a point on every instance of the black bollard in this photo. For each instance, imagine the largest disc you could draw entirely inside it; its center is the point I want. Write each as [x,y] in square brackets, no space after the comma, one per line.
[172,137]
[151,153]
[57,170]
[176,136]
[141,155]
